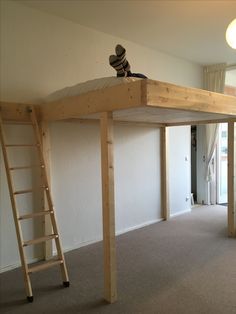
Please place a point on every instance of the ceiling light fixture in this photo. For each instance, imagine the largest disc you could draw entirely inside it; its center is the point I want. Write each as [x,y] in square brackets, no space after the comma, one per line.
[231,34]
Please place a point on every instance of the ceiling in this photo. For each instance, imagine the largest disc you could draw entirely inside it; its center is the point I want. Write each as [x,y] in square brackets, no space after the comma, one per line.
[193,30]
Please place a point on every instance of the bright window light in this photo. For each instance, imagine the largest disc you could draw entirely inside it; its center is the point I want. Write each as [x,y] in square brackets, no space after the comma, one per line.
[231,34]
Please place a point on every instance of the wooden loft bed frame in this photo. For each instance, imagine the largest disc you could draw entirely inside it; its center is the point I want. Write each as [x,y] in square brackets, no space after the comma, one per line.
[142,101]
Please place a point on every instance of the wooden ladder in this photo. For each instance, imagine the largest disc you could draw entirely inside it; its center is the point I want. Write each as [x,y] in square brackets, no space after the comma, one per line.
[59,260]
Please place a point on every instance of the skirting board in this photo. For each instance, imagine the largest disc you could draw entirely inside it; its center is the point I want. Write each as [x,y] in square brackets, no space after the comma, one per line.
[79,245]
[150,222]
[181,213]
[98,239]
[18,264]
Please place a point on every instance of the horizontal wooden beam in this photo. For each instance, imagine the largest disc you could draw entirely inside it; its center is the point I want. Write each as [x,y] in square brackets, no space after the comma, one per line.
[116,122]
[142,101]
[109,99]
[201,122]
[15,112]
[166,95]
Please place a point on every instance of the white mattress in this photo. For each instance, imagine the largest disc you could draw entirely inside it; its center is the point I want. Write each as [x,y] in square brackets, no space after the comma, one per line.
[88,86]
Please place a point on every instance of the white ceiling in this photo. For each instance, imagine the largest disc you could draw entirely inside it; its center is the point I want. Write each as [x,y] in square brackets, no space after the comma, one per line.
[193,30]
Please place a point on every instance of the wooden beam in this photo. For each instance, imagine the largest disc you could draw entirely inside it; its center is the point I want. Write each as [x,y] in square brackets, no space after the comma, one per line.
[108,204]
[112,98]
[164,174]
[47,226]
[15,111]
[231,179]
[115,122]
[166,95]
[201,122]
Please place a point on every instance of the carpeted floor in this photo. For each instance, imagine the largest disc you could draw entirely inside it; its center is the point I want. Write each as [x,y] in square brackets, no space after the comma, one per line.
[184,266]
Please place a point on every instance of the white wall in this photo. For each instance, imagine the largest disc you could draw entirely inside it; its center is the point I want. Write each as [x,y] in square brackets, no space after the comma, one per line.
[42,53]
[179,169]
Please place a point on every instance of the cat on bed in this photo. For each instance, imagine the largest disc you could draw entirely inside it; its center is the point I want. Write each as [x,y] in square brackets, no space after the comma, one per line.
[121,65]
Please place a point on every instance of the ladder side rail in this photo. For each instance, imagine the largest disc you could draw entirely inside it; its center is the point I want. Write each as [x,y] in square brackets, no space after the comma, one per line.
[47,191]
[15,212]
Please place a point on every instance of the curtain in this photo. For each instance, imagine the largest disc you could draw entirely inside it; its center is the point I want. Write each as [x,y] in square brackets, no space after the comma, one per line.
[213,80]
[214,77]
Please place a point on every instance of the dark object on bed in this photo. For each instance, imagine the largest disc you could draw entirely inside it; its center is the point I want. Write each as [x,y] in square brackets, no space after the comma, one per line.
[121,64]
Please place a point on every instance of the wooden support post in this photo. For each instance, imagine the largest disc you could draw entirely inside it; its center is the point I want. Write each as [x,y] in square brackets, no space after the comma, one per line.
[47,226]
[164,173]
[108,204]
[231,179]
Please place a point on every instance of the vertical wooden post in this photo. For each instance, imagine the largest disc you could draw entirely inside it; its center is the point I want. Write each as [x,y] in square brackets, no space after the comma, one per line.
[47,226]
[108,204]
[231,179]
[164,173]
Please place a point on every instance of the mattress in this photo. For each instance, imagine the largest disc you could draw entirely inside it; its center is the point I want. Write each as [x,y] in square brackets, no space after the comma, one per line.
[89,86]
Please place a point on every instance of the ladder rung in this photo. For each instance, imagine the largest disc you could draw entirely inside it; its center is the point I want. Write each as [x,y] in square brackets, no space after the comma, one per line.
[37,214]
[20,145]
[17,122]
[28,191]
[24,167]
[23,192]
[40,240]
[45,265]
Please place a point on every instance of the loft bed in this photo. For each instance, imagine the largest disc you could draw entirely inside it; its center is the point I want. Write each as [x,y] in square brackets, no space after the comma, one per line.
[138,101]
[141,100]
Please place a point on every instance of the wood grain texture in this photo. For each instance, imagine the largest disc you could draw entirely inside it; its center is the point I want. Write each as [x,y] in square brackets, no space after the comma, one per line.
[108,204]
[102,100]
[46,148]
[140,101]
[165,174]
[161,94]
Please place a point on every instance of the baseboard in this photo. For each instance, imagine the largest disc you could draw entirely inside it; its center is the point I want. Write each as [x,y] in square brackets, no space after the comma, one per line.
[18,264]
[147,223]
[181,213]
[119,232]
[81,244]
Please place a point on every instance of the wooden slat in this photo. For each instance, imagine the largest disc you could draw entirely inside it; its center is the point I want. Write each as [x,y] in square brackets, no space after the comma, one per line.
[232,179]
[17,122]
[40,240]
[36,214]
[24,167]
[21,145]
[44,266]
[23,191]
[29,190]
[108,201]
[165,174]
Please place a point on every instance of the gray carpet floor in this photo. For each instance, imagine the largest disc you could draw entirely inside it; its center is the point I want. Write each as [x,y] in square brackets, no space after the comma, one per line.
[185,265]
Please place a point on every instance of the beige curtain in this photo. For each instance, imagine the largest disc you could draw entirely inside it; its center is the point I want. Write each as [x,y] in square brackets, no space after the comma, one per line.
[214,77]
[213,80]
